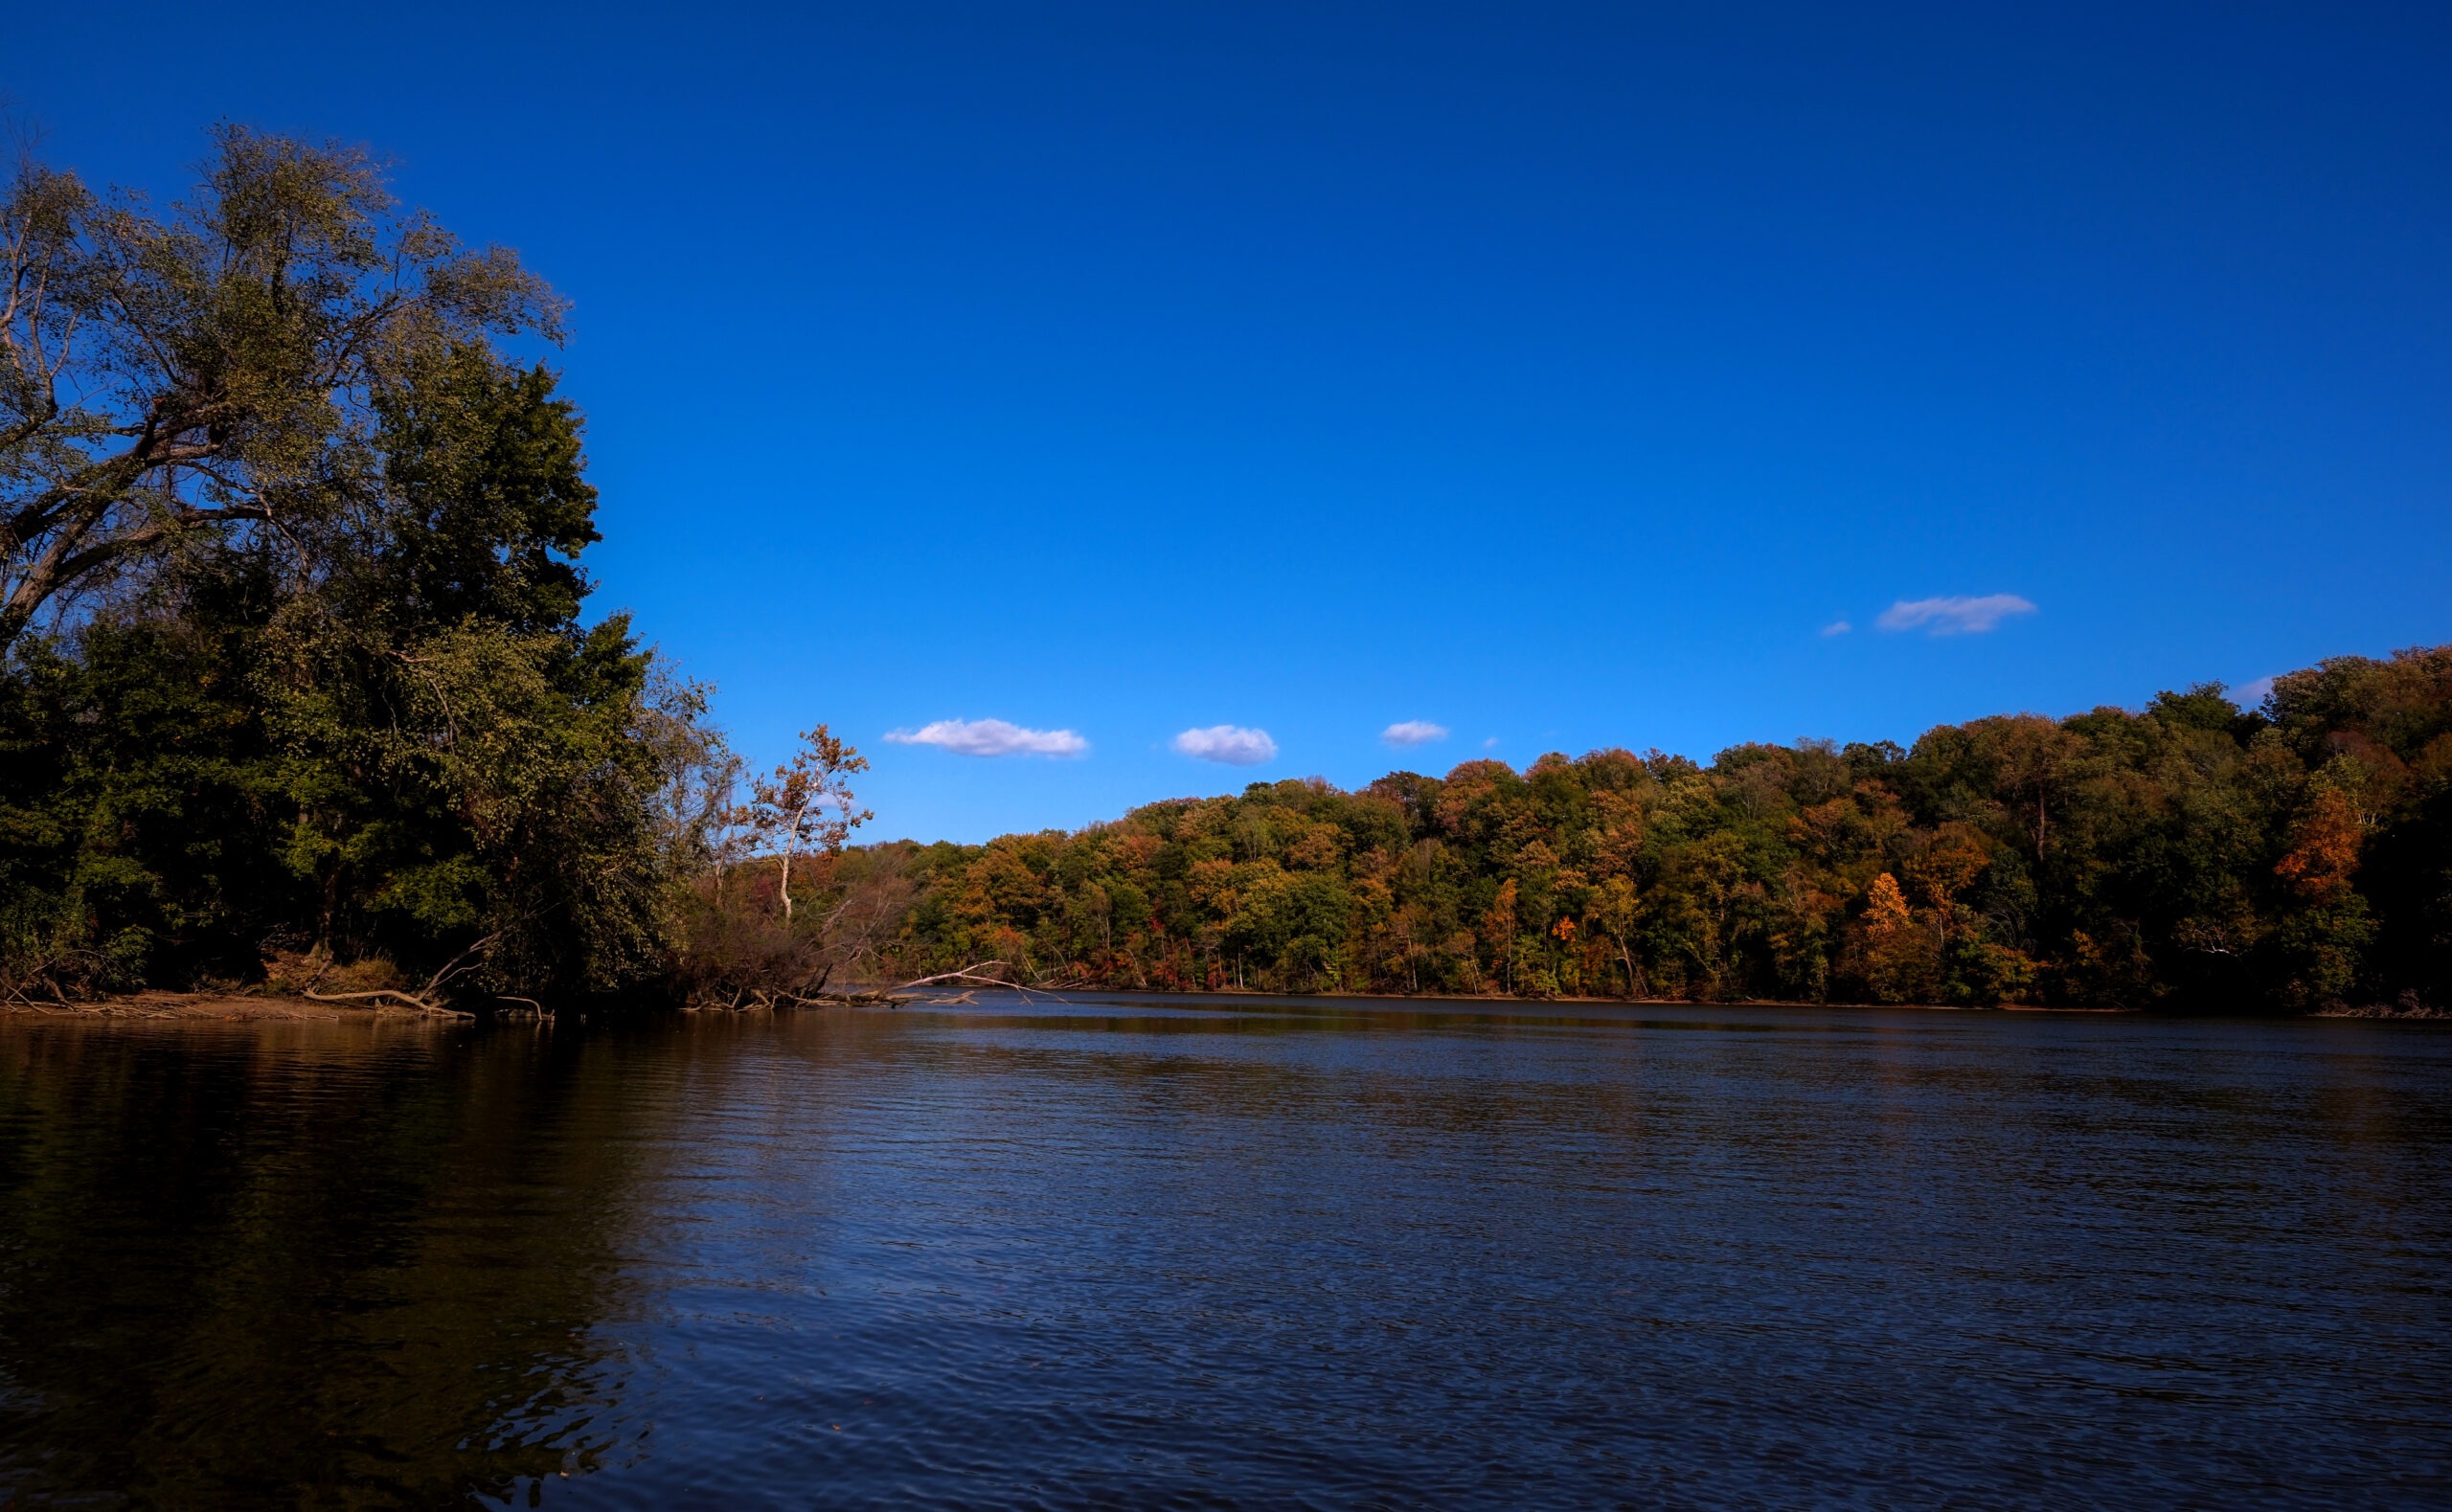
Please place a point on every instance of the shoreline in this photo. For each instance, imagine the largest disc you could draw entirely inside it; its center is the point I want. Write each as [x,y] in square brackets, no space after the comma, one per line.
[213,1007]
[1130,993]
[238,1007]
[2379,1011]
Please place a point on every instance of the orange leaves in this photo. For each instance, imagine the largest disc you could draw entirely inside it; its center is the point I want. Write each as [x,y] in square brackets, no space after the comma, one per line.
[785,810]
[2324,848]
[1212,885]
[1821,830]
[1948,866]
[1886,906]
[1899,960]
[1314,848]
[2431,768]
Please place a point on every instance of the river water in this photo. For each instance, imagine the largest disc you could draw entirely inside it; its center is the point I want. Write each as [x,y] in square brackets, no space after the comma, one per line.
[1143,1255]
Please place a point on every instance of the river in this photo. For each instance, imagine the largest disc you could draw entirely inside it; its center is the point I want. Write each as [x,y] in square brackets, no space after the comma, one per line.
[1194,1254]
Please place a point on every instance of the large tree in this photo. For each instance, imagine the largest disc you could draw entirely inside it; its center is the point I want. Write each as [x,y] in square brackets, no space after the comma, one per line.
[315,688]
[224,364]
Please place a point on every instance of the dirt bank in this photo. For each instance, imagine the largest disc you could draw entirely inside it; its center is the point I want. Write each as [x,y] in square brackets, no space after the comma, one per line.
[223,1007]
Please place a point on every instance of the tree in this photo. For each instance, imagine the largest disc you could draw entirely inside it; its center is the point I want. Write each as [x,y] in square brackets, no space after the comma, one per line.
[313,680]
[225,367]
[2183,855]
[1898,953]
[1619,913]
[790,811]
[2034,761]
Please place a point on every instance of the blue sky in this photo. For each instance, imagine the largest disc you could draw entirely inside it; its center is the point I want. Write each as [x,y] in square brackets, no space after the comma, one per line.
[1555,376]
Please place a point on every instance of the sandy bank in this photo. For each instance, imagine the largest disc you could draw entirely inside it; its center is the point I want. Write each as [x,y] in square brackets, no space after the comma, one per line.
[222,1007]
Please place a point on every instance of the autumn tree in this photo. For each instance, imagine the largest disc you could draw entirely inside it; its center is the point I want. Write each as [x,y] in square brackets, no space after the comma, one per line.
[806,805]
[1897,952]
[2189,853]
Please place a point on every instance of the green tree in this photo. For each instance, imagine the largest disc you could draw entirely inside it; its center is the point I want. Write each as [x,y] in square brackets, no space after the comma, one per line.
[221,367]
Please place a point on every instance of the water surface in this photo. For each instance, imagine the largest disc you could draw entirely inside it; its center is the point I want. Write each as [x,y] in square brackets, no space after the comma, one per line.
[1343,1255]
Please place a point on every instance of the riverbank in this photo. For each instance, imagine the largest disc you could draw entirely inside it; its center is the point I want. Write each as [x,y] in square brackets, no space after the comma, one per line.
[1461,1000]
[240,1007]
[2408,1007]
[212,1007]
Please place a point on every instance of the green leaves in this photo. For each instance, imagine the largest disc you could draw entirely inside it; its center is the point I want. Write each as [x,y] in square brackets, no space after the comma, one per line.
[219,369]
[338,694]
[2186,855]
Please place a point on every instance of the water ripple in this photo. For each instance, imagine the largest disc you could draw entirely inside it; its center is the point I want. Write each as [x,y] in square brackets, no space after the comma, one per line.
[1160,1255]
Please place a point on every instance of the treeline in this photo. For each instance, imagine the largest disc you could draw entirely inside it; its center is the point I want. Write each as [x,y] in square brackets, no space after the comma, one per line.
[2191,854]
[296,691]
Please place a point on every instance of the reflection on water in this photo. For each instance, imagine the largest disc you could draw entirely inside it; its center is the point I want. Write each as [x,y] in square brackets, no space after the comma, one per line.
[238,1262]
[1139,1254]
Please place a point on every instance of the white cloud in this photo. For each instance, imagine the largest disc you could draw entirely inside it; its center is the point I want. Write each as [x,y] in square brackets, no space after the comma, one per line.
[1953,616]
[2251,695]
[992,737]
[1837,628]
[1412,733]
[1231,744]
[1491,744]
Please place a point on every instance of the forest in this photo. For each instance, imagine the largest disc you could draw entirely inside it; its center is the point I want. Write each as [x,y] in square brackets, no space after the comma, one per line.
[298,693]
[2190,855]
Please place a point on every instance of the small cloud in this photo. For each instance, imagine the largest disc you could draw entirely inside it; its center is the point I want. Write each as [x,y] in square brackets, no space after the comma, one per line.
[1412,733]
[1231,744]
[1491,744]
[1953,616]
[2253,694]
[992,737]
[1837,628]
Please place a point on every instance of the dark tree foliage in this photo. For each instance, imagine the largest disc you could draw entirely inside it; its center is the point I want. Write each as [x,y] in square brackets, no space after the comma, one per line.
[2190,855]
[324,701]
[222,365]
